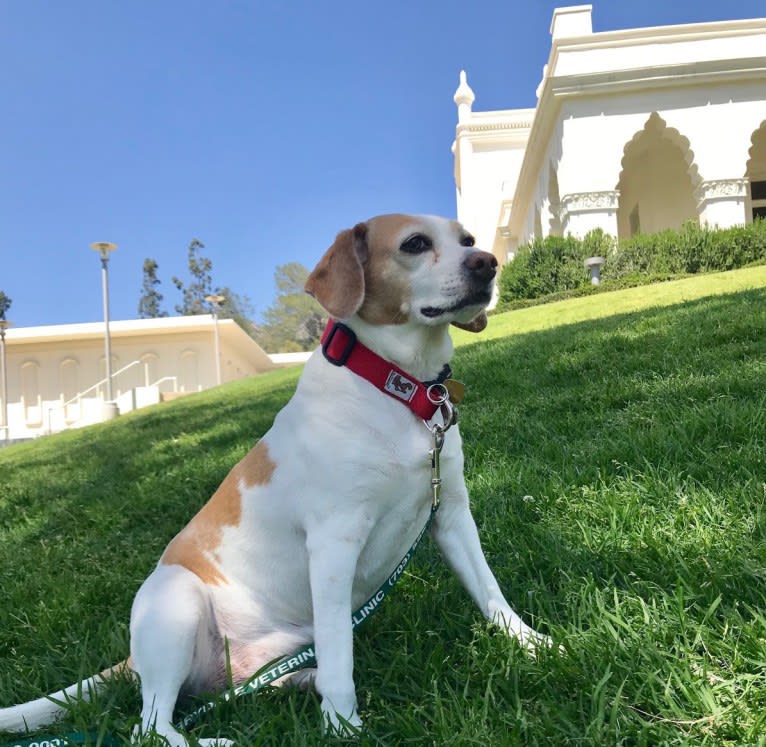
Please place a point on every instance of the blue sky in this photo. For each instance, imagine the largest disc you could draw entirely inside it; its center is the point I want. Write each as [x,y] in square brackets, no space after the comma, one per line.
[260,127]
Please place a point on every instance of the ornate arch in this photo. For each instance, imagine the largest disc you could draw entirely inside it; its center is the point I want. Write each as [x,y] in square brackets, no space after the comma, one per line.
[640,208]
[554,202]
[657,124]
[757,151]
[755,174]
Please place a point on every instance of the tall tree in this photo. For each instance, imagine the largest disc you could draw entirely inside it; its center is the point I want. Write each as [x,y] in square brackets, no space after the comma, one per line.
[236,307]
[200,285]
[295,320]
[5,304]
[149,305]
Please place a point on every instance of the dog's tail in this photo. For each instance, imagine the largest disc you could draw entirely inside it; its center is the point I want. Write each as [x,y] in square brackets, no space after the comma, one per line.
[43,711]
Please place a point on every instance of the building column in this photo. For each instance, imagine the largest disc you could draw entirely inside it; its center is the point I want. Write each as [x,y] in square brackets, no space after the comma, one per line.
[581,212]
[722,202]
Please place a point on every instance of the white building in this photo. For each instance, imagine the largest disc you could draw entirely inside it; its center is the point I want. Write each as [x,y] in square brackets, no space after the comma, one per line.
[634,130]
[56,374]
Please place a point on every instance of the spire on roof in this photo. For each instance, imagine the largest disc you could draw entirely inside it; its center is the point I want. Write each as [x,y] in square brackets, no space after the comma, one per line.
[464,94]
[463,97]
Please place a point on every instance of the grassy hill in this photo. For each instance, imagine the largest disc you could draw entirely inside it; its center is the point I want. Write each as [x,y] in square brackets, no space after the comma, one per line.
[617,463]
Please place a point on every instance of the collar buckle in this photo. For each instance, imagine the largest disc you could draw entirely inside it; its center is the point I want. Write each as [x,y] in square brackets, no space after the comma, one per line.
[338,357]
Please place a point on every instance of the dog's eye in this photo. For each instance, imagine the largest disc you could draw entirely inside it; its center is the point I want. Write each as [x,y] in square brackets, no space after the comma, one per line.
[467,240]
[417,244]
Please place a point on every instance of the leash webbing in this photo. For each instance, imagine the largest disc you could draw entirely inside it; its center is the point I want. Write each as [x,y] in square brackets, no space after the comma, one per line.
[424,399]
[306,656]
[63,740]
[292,663]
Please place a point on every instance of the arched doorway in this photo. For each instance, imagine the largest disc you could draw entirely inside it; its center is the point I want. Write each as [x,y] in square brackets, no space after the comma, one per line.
[658,181]
[756,174]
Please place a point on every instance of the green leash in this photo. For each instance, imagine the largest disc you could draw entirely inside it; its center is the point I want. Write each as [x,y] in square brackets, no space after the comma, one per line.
[306,655]
[302,658]
[63,740]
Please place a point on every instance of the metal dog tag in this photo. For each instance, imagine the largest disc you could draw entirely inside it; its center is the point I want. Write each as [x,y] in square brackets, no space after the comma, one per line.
[456,390]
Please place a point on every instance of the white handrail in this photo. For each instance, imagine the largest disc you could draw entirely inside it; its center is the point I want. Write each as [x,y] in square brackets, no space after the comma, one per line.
[100,383]
[174,379]
[81,394]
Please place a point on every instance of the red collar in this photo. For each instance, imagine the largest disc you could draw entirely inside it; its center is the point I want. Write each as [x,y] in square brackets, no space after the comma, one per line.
[341,348]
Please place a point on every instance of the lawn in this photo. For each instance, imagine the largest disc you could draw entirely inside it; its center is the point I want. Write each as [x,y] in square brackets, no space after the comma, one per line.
[617,464]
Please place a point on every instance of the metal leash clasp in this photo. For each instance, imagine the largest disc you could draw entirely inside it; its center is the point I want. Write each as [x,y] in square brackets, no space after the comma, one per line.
[436,478]
[438,395]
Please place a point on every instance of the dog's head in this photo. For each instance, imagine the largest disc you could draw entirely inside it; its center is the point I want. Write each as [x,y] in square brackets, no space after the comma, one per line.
[398,268]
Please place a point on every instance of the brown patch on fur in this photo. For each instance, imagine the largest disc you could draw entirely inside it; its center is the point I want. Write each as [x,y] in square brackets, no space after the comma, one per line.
[256,468]
[194,545]
[124,667]
[387,286]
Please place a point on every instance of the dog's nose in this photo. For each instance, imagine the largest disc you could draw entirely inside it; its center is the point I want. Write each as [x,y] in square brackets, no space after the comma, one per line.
[481,266]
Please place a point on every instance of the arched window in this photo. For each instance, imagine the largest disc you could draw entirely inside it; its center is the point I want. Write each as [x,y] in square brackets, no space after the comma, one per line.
[31,400]
[189,378]
[150,369]
[116,388]
[69,389]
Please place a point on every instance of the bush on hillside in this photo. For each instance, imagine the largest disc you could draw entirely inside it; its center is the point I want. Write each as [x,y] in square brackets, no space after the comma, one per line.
[552,268]
[551,265]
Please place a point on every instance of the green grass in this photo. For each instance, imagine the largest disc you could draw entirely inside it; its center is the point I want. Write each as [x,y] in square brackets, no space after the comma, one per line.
[629,300]
[618,472]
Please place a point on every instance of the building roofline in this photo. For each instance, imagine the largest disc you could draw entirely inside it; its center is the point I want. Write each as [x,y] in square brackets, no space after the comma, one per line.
[117,328]
[124,330]
[554,88]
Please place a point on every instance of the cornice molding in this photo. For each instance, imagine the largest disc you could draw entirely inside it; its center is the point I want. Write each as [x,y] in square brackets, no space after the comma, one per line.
[582,202]
[468,128]
[663,34]
[717,189]
[678,75]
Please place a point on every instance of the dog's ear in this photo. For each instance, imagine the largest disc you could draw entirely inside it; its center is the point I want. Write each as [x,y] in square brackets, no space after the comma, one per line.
[477,324]
[337,282]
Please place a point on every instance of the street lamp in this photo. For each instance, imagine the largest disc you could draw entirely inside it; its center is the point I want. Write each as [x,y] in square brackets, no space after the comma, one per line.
[215,302]
[4,324]
[104,248]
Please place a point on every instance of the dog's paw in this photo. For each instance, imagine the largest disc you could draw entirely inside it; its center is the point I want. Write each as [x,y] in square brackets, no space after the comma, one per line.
[340,726]
[173,738]
[529,639]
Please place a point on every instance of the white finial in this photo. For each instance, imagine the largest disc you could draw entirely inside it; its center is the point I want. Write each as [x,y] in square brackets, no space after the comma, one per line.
[464,94]
[464,97]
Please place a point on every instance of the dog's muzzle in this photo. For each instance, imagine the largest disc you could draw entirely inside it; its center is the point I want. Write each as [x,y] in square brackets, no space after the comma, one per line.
[479,269]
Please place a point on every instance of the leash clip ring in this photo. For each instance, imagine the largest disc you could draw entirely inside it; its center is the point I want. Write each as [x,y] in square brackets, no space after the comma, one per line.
[437,394]
[449,416]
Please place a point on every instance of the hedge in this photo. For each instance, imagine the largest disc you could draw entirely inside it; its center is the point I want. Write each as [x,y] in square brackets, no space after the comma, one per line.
[553,268]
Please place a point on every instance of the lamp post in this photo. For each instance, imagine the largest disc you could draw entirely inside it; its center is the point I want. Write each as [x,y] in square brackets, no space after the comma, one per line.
[593,265]
[4,324]
[215,302]
[104,248]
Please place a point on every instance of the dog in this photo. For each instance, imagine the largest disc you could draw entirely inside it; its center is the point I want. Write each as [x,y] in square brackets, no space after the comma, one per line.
[315,517]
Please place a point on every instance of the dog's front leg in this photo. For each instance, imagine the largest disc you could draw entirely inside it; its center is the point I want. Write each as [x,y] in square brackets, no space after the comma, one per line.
[333,557]
[455,532]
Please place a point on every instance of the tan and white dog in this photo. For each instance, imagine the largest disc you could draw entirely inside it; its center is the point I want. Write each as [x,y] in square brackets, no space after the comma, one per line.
[315,517]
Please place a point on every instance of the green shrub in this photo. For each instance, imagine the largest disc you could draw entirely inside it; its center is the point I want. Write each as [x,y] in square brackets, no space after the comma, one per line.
[551,265]
[552,268]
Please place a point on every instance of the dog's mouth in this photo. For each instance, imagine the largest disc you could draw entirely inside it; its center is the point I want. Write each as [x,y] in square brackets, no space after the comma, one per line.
[477,298]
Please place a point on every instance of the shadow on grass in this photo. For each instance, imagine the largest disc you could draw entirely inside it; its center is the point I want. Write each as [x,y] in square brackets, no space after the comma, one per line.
[617,473]
[634,446]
